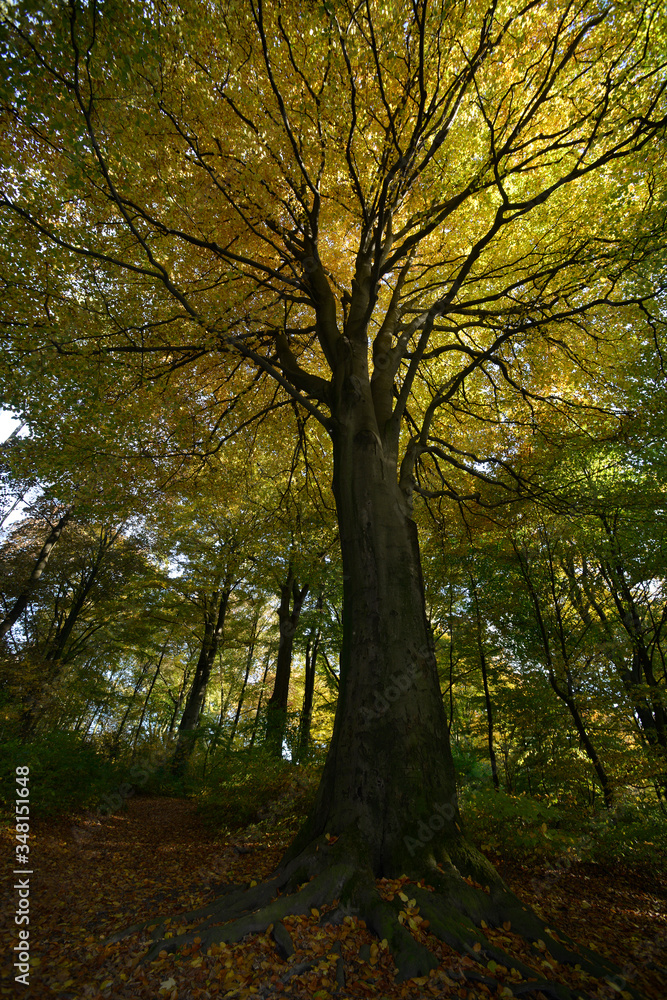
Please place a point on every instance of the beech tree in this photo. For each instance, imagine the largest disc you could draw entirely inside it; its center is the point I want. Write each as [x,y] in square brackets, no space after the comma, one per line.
[399,214]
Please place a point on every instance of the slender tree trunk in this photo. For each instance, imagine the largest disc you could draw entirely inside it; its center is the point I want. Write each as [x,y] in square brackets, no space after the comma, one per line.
[566,696]
[568,699]
[276,709]
[485,681]
[248,665]
[312,647]
[119,732]
[261,694]
[213,631]
[55,654]
[147,699]
[22,600]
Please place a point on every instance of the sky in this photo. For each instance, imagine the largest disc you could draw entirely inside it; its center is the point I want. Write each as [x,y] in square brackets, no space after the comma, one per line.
[7,424]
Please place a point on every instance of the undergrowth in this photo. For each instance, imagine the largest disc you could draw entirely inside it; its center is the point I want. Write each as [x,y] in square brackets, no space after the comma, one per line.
[67,773]
[253,791]
[524,828]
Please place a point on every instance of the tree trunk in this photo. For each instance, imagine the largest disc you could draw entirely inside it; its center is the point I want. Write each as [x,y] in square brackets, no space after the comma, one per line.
[115,747]
[144,709]
[54,657]
[566,696]
[259,700]
[386,805]
[388,781]
[305,722]
[485,681]
[248,664]
[276,709]
[213,630]
[21,602]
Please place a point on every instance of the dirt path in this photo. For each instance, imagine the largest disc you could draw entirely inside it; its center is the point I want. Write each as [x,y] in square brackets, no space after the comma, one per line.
[99,876]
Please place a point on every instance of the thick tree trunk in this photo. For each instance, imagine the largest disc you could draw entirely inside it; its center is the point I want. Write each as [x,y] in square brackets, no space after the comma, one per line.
[386,805]
[388,781]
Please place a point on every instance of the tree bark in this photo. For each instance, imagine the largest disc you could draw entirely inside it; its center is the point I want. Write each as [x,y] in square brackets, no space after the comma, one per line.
[485,682]
[388,781]
[213,631]
[312,647]
[276,709]
[22,600]
[248,664]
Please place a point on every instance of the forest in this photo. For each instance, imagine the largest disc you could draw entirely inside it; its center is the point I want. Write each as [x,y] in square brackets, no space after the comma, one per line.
[333,552]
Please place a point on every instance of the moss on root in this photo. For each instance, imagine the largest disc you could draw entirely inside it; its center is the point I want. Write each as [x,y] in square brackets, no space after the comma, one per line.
[458,913]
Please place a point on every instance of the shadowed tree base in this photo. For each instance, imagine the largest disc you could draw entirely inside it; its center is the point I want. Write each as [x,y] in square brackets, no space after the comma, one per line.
[339,872]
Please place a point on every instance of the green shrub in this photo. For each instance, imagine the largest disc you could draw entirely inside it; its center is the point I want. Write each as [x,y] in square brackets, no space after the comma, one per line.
[636,837]
[67,774]
[245,788]
[517,826]
[525,828]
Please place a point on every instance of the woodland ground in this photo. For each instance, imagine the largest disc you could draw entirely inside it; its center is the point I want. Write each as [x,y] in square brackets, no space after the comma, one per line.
[157,857]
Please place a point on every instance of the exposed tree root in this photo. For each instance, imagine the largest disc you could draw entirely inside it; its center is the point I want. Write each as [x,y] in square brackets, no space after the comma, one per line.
[457,913]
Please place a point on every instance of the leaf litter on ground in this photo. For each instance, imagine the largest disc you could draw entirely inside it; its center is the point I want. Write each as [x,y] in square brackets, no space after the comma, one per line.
[94,877]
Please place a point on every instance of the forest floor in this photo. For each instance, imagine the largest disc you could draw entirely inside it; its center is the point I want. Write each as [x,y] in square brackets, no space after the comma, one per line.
[156,857]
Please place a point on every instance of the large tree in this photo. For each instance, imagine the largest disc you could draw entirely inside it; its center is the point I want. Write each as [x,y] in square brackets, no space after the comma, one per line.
[400,213]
